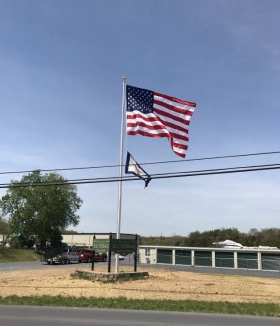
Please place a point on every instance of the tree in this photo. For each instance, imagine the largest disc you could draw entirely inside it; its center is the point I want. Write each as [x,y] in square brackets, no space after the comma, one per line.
[3,226]
[69,232]
[270,237]
[41,212]
[4,232]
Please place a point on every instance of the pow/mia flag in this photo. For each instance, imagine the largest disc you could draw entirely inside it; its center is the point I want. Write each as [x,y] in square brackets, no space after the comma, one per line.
[133,167]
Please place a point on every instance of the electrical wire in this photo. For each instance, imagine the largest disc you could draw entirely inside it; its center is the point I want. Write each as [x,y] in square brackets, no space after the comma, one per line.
[145,163]
[154,176]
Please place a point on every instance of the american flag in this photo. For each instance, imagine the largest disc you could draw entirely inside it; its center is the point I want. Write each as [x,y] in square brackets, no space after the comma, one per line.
[157,115]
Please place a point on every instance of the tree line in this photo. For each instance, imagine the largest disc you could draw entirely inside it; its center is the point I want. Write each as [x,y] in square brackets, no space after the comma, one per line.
[264,237]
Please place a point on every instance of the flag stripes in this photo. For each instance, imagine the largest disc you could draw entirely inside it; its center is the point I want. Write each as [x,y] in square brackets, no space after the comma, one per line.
[167,117]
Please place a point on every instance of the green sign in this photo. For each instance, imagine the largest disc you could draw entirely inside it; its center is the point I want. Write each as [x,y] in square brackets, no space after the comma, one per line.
[101,245]
[123,246]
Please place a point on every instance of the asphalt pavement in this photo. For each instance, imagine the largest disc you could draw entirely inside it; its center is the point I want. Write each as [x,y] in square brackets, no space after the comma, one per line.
[33,265]
[58,316]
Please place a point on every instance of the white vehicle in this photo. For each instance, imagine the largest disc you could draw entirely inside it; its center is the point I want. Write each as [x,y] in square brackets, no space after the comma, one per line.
[65,256]
[229,244]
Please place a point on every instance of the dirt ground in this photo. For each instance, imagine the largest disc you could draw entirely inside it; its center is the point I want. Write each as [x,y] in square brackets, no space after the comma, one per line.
[161,284]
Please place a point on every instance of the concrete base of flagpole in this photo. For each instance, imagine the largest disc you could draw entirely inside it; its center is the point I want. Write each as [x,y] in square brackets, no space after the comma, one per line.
[102,276]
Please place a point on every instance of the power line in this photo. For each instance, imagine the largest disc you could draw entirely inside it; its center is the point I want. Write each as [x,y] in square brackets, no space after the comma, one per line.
[145,163]
[213,158]
[154,176]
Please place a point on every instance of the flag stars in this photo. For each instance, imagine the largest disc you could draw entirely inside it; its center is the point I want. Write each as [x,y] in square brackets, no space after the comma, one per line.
[140,100]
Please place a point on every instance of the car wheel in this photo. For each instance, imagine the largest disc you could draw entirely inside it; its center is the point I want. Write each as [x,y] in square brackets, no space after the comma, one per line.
[89,260]
[104,258]
[49,262]
[62,262]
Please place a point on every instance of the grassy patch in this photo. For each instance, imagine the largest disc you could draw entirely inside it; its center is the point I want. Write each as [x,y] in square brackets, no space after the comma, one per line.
[126,278]
[132,277]
[80,276]
[107,281]
[257,309]
[11,255]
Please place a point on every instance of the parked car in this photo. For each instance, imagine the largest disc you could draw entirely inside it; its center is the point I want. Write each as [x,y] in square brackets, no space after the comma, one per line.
[86,256]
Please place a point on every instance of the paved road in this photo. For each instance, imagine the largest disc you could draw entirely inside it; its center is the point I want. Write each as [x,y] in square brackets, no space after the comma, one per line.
[29,265]
[129,261]
[6,267]
[50,316]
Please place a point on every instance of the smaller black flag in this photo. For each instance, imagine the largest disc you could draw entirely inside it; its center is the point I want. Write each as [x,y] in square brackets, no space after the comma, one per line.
[133,167]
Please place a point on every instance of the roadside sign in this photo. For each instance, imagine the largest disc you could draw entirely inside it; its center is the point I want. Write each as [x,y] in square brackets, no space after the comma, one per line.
[118,246]
[123,246]
[101,246]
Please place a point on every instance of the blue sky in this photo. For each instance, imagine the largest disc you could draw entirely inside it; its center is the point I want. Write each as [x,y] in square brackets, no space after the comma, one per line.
[61,68]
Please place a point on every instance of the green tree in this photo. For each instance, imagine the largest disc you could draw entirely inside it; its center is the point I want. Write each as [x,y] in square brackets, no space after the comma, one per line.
[265,237]
[69,232]
[4,231]
[3,226]
[41,212]
[269,237]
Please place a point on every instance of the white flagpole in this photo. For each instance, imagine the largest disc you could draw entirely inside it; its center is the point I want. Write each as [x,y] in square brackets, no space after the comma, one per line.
[120,181]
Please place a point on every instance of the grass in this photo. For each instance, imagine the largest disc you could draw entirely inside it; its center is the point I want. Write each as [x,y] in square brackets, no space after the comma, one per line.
[257,309]
[128,278]
[108,281]
[10,255]
[80,276]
